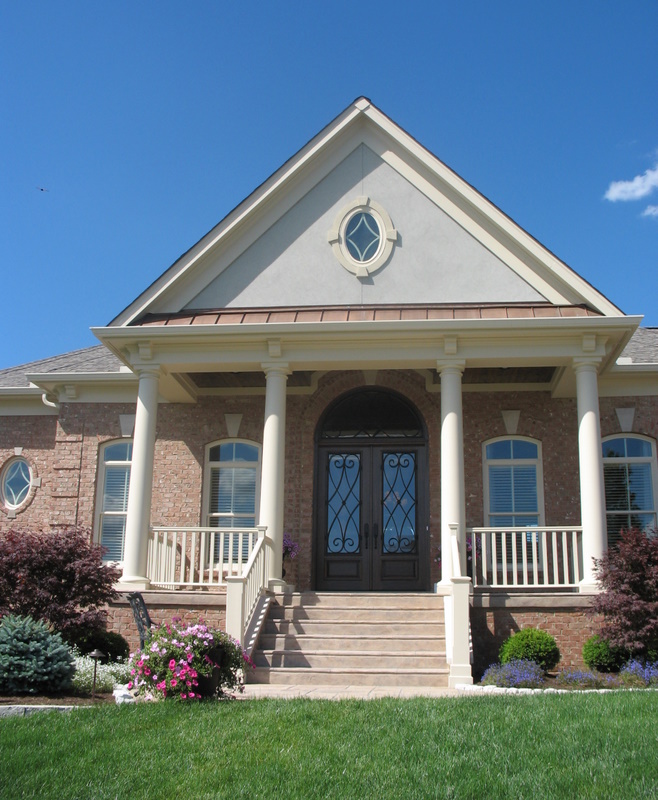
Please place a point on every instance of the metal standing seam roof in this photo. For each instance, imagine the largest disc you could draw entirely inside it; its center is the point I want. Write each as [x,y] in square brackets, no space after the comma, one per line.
[361,313]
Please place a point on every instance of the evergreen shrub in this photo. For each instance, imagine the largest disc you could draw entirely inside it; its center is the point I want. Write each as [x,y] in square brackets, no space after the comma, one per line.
[600,655]
[33,660]
[111,644]
[531,644]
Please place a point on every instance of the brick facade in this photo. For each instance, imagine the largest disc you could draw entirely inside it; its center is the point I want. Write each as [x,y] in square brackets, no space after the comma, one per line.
[63,452]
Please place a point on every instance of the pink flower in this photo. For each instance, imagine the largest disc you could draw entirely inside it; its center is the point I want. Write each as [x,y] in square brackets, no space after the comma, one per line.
[162,685]
[172,664]
[173,682]
[190,656]
[130,684]
[147,671]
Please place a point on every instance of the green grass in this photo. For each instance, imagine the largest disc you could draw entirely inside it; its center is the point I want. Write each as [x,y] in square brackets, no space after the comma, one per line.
[540,747]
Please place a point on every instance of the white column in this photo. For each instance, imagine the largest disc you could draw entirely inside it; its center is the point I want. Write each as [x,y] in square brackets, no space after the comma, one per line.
[273,465]
[453,509]
[592,493]
[141,480]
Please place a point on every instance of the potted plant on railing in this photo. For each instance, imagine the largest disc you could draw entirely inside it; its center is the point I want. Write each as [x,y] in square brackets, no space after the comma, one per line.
[188,662]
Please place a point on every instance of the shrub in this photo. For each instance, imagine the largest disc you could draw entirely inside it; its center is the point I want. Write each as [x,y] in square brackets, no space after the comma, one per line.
[178,659]
[516,674]
[628,574]
[600,655]
[56,576]
[112,644]
[32,658]
[108,676]
[531,644]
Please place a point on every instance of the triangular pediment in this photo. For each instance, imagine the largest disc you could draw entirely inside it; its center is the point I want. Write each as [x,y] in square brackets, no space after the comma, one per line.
[447,243]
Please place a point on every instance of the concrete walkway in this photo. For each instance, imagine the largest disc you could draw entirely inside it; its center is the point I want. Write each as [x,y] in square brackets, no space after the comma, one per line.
[255,691]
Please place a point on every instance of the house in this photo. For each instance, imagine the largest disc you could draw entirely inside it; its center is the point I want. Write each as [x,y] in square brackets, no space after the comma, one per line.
[368,355]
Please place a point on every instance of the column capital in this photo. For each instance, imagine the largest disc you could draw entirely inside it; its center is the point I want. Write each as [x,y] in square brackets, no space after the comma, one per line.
[276,368]
[450,366]
[148,371]
[586,364]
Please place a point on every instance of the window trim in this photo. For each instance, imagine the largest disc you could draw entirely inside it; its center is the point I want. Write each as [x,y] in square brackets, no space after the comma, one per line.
[207,466]
[538,462]
[100,490]
[652,460]
[9,508]
[387,233]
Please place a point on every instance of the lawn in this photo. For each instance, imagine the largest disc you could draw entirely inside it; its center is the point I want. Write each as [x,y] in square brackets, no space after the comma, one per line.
[540,747]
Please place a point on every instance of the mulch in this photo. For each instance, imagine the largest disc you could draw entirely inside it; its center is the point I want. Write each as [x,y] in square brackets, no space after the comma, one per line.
[56,699]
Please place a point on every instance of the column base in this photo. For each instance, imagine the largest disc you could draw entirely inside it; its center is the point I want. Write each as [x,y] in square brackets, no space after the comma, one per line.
[460,674]
[279,586]
[132,583]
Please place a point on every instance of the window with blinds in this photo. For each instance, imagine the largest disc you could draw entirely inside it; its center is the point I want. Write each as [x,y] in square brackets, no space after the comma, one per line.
[513,495]
[232,479]
[112,503]
[629,471]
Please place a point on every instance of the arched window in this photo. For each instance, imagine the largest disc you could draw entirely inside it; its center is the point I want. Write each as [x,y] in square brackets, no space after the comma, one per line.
[629,471]
[231,484]
[513,484]
[112,497]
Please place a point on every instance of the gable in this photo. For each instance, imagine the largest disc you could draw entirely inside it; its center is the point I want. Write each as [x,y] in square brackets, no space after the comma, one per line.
[433,261]
[452,246]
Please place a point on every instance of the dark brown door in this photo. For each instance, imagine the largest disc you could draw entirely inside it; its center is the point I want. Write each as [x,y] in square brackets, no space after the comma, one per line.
[371,517]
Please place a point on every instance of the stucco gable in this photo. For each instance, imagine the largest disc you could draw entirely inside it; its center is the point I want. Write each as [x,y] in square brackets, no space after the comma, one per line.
[453,245]
[433,260]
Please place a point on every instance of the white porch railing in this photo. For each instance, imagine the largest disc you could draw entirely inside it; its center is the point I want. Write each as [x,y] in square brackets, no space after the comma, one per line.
[244,593]
[525,557]
[457,617]
[197,557]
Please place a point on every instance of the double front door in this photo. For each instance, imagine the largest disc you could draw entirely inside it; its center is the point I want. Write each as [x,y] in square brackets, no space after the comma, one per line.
[371,527]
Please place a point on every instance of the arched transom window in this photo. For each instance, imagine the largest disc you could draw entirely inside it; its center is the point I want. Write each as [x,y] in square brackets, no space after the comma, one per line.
[513,483]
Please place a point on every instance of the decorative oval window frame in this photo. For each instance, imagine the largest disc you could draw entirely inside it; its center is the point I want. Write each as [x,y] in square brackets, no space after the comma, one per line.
[7,506]
[388,236]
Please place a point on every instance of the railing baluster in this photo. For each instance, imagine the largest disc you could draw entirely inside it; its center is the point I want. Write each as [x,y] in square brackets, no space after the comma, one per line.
[544,555]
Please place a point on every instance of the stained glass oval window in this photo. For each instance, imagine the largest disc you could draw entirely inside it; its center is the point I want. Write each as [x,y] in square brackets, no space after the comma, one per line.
[16,482]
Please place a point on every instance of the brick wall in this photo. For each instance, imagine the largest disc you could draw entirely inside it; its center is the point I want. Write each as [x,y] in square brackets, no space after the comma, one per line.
[189,607]
[567,618]
[63,452]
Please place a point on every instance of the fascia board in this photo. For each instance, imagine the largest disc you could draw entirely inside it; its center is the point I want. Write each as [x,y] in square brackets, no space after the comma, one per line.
[24,401]
[236,217]
[49,380]
[325,345]
[484,220]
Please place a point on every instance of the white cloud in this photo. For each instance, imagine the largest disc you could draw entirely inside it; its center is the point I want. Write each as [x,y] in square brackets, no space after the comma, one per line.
[650,211]
[640,186]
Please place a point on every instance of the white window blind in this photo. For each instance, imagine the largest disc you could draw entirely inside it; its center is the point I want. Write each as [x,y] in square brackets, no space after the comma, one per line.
[512,476]
[629,471]
[115,480]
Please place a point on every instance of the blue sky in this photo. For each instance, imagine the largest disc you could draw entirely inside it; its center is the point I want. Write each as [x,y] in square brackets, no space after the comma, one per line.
[148,122]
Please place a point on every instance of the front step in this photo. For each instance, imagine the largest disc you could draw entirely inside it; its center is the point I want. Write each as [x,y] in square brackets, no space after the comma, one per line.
[315,638]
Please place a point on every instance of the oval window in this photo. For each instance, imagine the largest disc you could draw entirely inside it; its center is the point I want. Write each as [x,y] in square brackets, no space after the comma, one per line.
[16,482]
[362,237]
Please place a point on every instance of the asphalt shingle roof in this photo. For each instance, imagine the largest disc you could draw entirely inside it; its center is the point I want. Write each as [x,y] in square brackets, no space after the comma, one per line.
[643,346]
[91,359]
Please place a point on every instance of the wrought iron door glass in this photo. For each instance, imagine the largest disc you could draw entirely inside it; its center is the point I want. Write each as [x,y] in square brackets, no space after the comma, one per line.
[399,502]
[343,503]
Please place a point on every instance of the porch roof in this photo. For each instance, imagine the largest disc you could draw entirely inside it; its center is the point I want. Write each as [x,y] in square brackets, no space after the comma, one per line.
[363,313]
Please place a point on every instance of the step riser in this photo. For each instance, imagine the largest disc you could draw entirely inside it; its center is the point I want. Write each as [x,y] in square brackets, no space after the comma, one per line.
[301,677]
[329,628]
[272,641]
[385,601]
[367,661]
[356,614]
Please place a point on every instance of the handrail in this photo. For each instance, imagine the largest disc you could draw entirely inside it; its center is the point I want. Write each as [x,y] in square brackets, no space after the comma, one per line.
[244,591]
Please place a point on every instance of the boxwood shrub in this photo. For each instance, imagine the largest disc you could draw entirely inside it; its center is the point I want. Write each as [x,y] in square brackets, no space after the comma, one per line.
[531,644]
[600,655]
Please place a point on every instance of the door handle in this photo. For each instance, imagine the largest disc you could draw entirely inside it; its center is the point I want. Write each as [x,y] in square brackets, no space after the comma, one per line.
[366,534]
[375,534]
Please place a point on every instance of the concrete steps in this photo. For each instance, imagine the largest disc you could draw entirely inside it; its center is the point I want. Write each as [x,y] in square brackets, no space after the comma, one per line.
[325,638]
